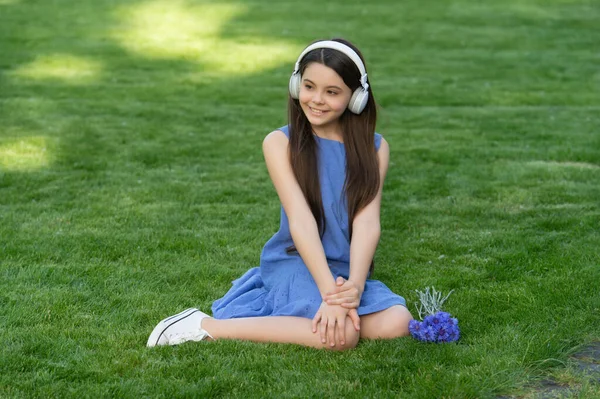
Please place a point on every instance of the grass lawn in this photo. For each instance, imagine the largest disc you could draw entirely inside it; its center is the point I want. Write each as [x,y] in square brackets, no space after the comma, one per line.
[132,185]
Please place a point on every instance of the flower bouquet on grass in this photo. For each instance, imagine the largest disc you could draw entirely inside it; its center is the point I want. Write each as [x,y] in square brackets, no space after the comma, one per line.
[437,326]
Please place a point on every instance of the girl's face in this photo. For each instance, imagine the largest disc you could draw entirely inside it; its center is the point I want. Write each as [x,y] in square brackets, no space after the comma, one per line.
[323,96]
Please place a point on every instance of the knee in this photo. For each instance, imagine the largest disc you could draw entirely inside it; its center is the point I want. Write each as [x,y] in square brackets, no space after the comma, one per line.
[396,328]
[396,324]
[352,337]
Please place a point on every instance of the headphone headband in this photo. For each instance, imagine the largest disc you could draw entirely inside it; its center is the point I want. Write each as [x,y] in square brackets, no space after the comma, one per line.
[342,48]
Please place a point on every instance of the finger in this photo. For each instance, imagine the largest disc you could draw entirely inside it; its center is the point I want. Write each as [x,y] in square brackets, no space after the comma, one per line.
[350,305]
[342,294]
[339,301]
[315,322]
[340,281]
[323,330]
[345,286]
[335,301]
[350,300]
[353,314]
[336,290]
[343,291]
[331,332]
[341,330]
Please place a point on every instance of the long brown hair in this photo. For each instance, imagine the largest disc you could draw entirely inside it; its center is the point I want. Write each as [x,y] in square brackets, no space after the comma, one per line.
[358,132]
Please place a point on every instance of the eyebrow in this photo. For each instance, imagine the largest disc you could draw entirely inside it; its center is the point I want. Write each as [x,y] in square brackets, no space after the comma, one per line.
[328,87]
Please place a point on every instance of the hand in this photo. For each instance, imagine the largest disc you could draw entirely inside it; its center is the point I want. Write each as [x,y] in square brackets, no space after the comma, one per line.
[331,321]
[346,294]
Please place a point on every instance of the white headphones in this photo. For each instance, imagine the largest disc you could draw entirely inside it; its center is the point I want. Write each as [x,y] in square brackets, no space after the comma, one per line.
[359,98]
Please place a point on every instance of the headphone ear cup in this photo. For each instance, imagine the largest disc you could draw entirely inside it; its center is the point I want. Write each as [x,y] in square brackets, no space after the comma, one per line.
[358,101]
[294,85]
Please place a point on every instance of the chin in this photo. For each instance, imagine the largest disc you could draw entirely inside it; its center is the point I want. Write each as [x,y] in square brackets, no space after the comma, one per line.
[318,122]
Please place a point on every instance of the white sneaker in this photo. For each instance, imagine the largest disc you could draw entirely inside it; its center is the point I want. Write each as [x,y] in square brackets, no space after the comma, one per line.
[184,326]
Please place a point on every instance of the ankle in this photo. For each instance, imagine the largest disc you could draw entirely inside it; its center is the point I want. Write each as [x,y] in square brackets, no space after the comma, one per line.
[207,324]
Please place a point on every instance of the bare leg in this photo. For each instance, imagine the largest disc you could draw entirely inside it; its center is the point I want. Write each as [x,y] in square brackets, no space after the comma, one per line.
[283,329]
[389,323]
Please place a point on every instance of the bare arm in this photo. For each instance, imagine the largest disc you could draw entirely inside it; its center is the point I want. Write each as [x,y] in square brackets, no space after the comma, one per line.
[366,228]
[303,226]
[365,237]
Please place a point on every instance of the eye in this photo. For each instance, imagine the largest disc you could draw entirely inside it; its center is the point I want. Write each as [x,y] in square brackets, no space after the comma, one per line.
[333,93]
[307,86]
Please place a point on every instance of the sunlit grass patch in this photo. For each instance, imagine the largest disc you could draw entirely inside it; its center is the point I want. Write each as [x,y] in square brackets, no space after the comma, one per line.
[178,30]
[171,29]
[64,67]
[24,154]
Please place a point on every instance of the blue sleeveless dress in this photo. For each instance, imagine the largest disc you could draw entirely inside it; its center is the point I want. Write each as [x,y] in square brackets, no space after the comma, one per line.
[283,285]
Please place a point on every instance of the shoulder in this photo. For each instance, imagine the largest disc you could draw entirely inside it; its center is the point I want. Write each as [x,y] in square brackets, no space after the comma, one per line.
[383,153]
[275,145]
[277,139]
[277,135]
[380,143]
[284,129]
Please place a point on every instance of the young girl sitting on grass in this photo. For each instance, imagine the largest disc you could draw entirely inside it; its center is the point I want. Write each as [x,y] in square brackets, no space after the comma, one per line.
[328,167]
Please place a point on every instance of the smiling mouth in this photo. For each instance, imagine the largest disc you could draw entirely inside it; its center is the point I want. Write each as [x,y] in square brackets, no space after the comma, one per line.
[316,111]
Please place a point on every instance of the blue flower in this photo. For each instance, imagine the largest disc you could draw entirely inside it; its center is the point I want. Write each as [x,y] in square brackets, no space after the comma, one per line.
[414,327]
[438,327]
[443,316]
[429,334]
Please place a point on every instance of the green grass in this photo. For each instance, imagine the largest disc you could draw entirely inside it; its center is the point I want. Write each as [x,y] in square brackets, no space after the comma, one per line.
[132,185]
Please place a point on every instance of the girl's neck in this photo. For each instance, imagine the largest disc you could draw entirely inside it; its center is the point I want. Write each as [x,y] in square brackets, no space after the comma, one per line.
[329,132]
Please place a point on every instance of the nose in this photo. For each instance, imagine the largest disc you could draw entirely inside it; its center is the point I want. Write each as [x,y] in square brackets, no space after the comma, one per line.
[317,98]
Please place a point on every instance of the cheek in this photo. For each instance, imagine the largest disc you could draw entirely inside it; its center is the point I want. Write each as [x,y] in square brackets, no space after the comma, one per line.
[340,104]
[304,96]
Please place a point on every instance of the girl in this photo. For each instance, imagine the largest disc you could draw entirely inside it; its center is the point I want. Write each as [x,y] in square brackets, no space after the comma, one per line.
[328,166]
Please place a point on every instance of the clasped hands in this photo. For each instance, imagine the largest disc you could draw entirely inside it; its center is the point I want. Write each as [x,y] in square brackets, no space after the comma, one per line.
[330,320]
